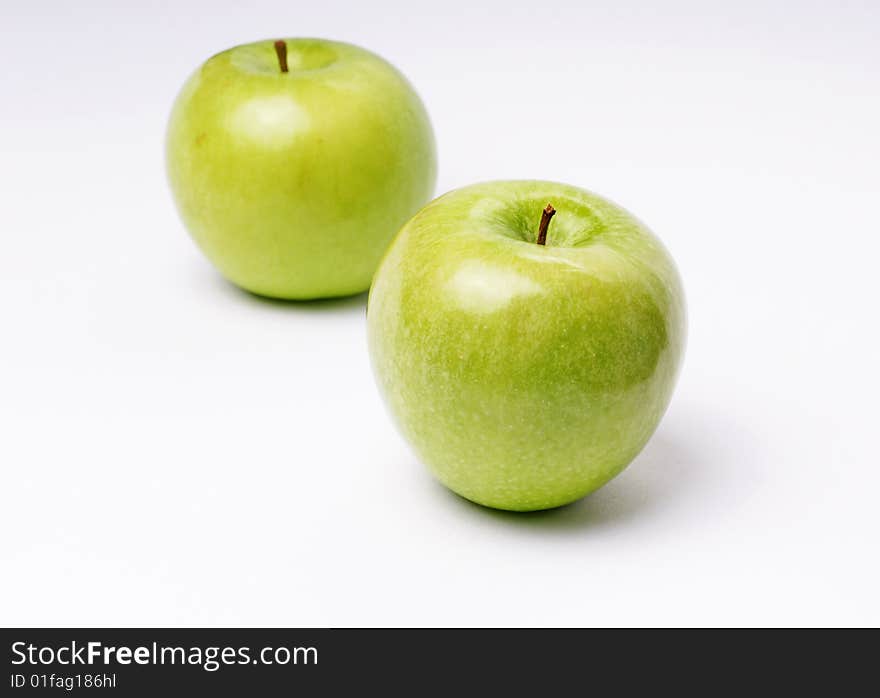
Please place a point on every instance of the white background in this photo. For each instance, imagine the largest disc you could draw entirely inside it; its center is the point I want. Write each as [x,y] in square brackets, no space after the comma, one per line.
[176,452]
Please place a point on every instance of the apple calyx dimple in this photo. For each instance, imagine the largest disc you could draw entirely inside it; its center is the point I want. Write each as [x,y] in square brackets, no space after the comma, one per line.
[546,215]
[281,52]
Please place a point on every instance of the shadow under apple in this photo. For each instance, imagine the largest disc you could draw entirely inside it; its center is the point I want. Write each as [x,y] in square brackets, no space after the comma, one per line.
[345,304]
[679,466]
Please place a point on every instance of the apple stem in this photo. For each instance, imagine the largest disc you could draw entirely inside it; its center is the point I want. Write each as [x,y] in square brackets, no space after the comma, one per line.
[281,52]
[546,215]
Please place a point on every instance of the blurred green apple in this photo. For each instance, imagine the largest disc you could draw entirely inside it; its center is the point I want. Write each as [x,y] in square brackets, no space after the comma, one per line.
[526,375]
[293,163]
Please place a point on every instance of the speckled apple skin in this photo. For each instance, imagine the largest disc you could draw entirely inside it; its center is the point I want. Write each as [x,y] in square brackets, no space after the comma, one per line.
[526,376]
[293,184]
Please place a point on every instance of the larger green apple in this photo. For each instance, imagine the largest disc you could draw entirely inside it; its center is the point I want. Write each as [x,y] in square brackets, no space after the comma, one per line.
[526,375]
[293,163]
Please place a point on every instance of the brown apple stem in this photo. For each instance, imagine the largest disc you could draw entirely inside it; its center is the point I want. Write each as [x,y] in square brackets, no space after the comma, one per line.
[281,52]
[546,215]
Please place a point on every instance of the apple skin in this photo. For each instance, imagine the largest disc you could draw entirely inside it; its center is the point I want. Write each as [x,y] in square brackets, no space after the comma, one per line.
[293,184]
[526,376]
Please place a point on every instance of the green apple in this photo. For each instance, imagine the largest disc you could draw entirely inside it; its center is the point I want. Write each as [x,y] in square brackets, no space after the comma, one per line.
[526,375]
[294,162]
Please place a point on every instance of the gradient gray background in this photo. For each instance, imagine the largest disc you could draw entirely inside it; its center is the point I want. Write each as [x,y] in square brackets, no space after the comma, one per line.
[175,452]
